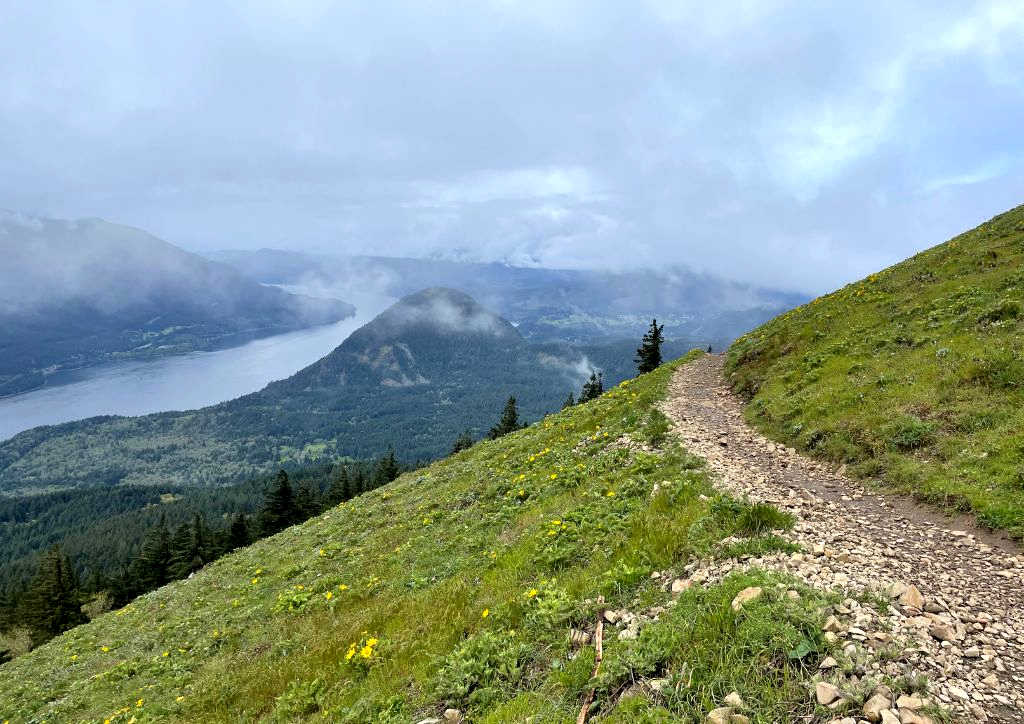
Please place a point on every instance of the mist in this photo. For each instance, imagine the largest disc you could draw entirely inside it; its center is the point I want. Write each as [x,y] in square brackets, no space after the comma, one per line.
[789,145]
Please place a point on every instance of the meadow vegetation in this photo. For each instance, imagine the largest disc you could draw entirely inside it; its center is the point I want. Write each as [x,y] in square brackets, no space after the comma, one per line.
[913,376]
[458,585]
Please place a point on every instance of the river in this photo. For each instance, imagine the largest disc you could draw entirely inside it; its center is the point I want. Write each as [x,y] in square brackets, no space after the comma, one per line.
[178,383]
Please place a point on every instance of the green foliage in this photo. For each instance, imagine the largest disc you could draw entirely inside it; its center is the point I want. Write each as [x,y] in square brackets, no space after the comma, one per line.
[656,428]
[592,388]
[300,699]
[648,354]
[913,376]
[509,421]
[481,670]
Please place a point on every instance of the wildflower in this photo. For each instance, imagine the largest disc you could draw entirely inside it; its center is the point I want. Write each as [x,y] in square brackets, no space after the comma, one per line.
[328,595]
[180,699]
[323,552]
[255,581]
[138,704]
[342,587]
[486,612]
[554,475]
[366,652]
[74,657]
[351,652]
[165,654]
[556,521]
[104,649]
[532,593]
[610,494]
[371,642]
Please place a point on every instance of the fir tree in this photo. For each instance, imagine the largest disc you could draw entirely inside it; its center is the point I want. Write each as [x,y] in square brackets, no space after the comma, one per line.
[463,442]
[307,503]
[238,533]
[340,489]
[648,354]
[53,603]
[592,388]
[569,401]
[279,509]
[154,559]
[359,482]
[386,469]
[509,421]
[181,552]
[5,656]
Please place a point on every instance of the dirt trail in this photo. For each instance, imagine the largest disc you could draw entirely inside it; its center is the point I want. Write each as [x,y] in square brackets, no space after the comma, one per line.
[967,632]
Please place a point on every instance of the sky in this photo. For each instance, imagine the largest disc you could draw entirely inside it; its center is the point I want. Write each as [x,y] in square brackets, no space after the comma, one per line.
[794,145]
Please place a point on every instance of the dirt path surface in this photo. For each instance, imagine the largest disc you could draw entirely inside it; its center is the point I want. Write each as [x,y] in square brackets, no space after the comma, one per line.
[957,613]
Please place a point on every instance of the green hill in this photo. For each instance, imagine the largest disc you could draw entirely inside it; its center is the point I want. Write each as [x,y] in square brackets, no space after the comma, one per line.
[913,376]
[461,585]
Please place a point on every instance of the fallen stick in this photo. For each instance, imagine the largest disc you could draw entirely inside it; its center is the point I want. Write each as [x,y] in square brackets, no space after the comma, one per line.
[598,641]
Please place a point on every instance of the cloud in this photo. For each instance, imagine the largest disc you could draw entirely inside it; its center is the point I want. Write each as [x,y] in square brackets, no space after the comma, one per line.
[789,144]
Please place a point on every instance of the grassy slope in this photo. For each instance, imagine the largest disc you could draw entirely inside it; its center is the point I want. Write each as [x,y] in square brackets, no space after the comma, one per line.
[529,529]
[914,375]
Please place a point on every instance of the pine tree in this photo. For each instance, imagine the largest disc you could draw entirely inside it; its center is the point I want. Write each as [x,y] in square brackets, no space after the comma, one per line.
[359,482]
[592,388]
[154,559]
[5,656]
[569,401]
[648,354]
[463,442]
[386,469]
[509,421]
[307,503]
[279,509]
[53,603]
[238,533]
[182,551]
[339,490]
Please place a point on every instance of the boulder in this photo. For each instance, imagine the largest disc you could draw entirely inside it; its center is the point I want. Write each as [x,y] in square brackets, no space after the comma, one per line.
[747,595]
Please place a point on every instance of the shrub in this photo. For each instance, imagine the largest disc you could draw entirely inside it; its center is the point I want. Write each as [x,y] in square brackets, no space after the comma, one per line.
[479,670]
[909,433]
[999,369]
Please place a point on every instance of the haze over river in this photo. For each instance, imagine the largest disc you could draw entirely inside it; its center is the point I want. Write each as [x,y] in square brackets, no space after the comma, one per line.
[178,383]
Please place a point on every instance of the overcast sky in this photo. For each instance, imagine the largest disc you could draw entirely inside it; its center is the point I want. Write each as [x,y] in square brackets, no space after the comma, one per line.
[791,144]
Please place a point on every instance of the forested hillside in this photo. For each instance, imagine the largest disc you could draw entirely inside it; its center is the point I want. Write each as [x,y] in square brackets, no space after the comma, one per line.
[429,368]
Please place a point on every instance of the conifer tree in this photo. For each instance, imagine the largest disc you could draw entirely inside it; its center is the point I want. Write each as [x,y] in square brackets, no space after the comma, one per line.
[592,388]
[238,533]
[509,421]
[359,482]
[648,354]
[386,469]
[569,401]
[182,551]
[307,503]
[279,509]
[53,603]
[463,442]
[5,656]
[154,559]
[339,490]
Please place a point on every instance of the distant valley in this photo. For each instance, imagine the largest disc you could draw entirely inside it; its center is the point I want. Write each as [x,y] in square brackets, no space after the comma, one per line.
[79,293]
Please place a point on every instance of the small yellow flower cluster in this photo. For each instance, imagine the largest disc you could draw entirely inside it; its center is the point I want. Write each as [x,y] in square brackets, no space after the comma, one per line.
[532,593]
[556,526]
[363,648]
[342,587]
[485,613]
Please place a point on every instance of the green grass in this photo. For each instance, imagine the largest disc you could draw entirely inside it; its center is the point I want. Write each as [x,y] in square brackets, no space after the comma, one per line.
[457,585]
[913,376]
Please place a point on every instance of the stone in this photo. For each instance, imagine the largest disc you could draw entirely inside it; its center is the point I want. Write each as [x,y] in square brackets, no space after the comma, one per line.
[912,598]
[942,632]
[826,693]
[734,700]
[452,715]
[910,702]
[991,681]
[430,720]
[747,595]
[679,585]
[720,715]
[739,719]
[874,707]
[657,684]
[828,663]
[972,652]
[833,624]
[889,718]
[908,716]
[578,637]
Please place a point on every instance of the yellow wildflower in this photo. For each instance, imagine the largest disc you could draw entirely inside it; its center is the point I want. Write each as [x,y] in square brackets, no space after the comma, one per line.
[342,587]
[180,699]
[138,704]
[104,649]
[351,652]
[554,475]
[255,581]
[328,595]
[486,613]
[366,652]
[532,593]
[610,494]
[165,654]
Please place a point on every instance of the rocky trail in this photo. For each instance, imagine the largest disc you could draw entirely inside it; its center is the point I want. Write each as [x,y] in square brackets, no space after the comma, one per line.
[956,592]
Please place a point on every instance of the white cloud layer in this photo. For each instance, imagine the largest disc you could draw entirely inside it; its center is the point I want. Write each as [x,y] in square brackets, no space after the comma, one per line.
[792,144]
